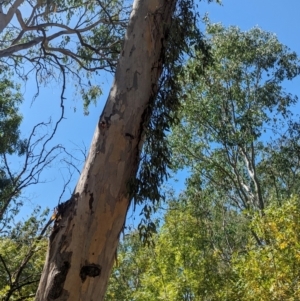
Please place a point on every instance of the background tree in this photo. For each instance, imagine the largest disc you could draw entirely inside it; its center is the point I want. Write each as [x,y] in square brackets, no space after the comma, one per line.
[233,233]
[22,255]
[10,142]
[238,134]
[228,119]
[131,265]
[271,272]
[208,253]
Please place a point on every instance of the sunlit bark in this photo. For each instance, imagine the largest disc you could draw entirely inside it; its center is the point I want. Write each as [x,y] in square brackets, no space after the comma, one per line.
[86,232]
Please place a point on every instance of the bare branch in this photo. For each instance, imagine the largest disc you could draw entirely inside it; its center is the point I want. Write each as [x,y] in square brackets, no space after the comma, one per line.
[6,269]
[5,19]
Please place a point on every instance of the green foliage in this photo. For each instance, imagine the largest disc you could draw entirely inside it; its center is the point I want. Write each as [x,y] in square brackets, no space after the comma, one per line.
[198,256]
[10,118]
[190,257]
[272,271]
[186,262]
[10,142]
[90,96]
[22,255]
[130,267]
[229,114]
[234,233]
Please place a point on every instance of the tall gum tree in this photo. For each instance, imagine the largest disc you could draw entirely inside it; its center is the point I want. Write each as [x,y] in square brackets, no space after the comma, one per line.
[86,231]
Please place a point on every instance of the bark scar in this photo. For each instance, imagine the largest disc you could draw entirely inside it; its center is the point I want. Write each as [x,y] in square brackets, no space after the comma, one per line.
[58,281]
[89,270]
[91,200]
[59,213]
[130,136]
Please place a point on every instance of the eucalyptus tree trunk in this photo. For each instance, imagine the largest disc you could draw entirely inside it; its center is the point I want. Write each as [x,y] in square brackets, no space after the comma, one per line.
[86,232]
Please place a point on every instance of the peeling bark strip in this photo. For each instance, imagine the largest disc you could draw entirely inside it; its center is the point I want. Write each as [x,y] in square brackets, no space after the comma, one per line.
[61,210]
[112,162]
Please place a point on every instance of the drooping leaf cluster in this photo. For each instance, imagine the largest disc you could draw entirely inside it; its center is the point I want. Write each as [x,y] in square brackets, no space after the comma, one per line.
[182,39]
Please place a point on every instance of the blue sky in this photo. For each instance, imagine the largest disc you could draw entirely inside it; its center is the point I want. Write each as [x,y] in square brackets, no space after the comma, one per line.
[279,17]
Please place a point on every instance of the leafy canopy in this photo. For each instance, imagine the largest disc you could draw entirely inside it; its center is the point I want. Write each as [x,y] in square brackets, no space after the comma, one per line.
[237,121]
[233,233]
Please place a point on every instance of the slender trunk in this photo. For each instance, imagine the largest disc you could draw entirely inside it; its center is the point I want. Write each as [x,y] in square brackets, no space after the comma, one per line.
[86,232]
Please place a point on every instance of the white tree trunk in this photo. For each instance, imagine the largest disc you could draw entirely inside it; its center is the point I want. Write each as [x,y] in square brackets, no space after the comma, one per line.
[87,228]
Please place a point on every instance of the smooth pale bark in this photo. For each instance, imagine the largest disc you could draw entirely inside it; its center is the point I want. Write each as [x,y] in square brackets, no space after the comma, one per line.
[86,232]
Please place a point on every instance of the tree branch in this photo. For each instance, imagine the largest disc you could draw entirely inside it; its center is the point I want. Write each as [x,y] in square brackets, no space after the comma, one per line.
[6,269]
[6,18]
